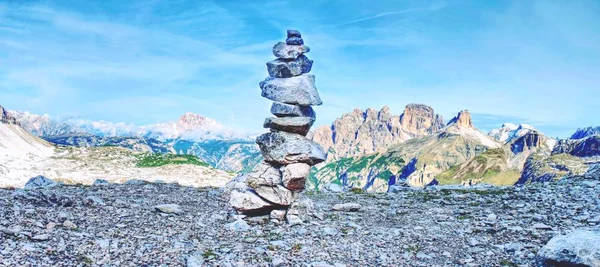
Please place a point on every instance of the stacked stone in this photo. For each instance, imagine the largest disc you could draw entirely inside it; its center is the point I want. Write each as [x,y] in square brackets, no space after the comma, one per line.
[275,184]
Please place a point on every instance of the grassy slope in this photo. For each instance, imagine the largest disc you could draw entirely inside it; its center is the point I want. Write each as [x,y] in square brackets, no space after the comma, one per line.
[490,167]
[156,160]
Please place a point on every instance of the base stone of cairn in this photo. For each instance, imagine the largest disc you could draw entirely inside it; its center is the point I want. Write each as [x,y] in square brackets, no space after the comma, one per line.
[274,185]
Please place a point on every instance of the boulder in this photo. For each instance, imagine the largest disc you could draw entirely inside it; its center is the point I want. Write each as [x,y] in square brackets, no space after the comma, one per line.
[264,174]
[248,202]
[299,125]
[285,68]
[39,182]
[276,194]
[286,148]
[578,248]
[298,90]
[294,176]
[294,41]
[285,51]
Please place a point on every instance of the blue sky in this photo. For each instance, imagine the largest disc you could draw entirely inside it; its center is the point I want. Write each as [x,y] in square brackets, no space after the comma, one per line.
[142,62]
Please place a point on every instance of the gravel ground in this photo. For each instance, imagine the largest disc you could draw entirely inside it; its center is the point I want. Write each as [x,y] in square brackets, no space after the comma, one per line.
[118,225]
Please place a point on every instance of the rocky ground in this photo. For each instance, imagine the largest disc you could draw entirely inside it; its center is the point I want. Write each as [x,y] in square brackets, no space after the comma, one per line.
[119,225]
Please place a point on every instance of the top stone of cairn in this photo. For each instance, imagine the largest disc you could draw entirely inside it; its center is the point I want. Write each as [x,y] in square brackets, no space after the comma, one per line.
[294,38]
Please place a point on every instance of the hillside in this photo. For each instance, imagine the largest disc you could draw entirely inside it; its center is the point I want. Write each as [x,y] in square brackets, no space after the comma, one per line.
[23,155]
[417,160]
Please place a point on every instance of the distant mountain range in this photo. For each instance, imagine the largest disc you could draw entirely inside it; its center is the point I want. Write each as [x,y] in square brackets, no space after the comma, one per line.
[192,134]
[372,149]
[375,150]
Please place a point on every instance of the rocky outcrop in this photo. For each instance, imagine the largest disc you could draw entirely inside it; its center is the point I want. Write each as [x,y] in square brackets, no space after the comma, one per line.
[275,184]
[584,147]
[361,132]
[463,119]
[538,168]
[419,119]
[6,117]
[531,140]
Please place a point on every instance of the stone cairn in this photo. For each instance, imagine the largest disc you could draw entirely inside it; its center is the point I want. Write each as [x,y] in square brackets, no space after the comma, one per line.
[274,184]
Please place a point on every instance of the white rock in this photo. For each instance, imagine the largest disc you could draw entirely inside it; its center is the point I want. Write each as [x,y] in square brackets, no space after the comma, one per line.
[578,248]
[169,208]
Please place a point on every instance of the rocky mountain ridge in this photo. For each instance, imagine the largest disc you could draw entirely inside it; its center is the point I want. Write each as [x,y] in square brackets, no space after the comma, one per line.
[364,132]
[585,132]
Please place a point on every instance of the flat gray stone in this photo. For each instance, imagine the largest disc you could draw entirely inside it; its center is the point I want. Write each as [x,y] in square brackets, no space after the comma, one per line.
[347,207]
[276,194]
[294,176]
[263,174]
[169,208]
[248,202]
[286,148]
[285,51]
[299,125]
[285,68]
[285,110]
[298,90]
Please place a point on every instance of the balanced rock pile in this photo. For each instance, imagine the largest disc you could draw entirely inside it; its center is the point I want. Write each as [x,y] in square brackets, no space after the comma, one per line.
[275,184]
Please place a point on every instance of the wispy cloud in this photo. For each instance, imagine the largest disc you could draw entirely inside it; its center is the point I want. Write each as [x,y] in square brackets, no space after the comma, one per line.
[393,13]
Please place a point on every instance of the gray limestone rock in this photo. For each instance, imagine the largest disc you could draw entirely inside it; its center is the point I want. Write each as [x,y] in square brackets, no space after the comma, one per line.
[578,248]
[294,176]
[299,125]
[248,202]
[276,194]
[286,148]
[285,51]
[264,174]
[298,90]
[285,110]
[285,68]
[39,182]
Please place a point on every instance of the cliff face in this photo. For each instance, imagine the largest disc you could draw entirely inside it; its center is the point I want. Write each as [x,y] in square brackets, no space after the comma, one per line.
[363,132]
[419,120]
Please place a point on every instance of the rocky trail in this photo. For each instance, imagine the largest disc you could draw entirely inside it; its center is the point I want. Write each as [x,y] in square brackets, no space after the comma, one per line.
[125,225]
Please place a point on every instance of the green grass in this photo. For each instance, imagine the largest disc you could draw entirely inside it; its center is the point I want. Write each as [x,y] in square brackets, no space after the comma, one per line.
[156,160]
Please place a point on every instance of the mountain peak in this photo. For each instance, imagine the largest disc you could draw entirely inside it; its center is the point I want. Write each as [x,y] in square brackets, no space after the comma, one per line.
[420,118]
[463,119]
[6,117]
[510,126]
[192,121]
